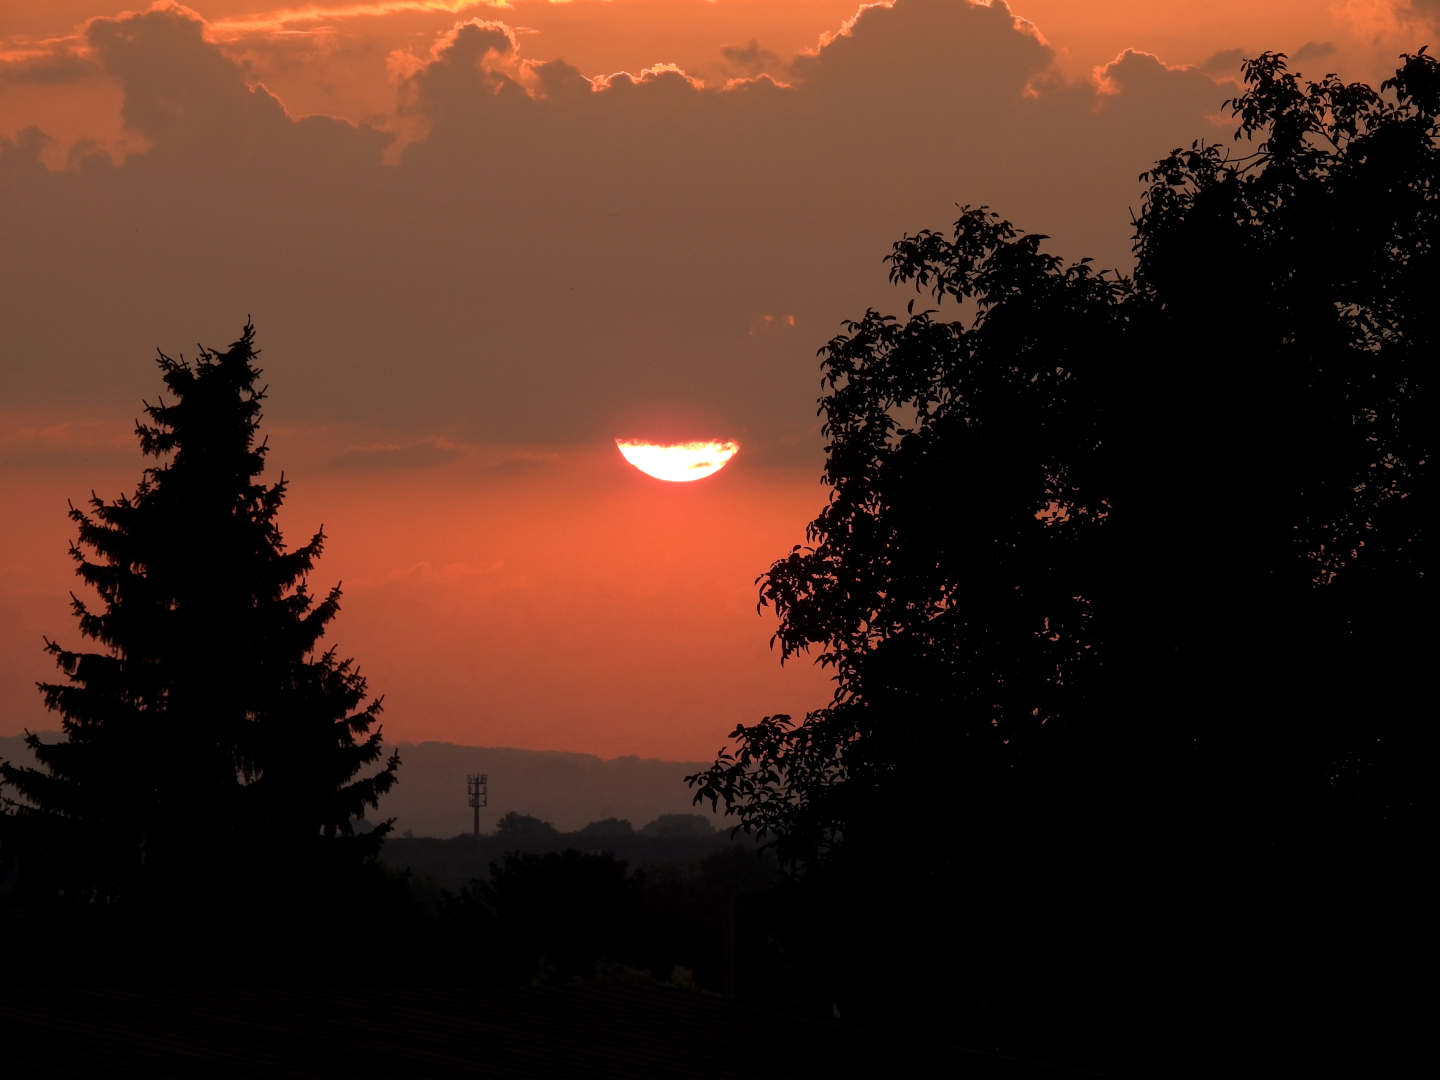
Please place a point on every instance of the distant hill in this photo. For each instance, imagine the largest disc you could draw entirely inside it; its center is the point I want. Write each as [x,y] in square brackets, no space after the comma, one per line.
[567,790]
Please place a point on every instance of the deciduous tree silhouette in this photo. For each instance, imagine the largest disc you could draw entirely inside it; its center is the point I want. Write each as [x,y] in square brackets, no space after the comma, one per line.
[1124,579]
[1147,471]
[211,752]
[1285,299]
[948,580]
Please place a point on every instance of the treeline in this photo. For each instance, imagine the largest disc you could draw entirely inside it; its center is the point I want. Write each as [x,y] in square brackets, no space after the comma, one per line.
[453,863]
[677,904]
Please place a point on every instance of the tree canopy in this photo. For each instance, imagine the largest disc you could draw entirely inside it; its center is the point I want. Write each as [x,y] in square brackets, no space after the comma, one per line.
[947,580]
[1286,293]
[1122,581]
[1136,517]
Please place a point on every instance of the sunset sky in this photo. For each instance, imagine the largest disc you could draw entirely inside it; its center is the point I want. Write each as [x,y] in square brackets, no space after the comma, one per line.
[481,242]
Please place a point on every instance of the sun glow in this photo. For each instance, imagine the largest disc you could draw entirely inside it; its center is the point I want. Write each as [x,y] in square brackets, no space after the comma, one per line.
[678,461]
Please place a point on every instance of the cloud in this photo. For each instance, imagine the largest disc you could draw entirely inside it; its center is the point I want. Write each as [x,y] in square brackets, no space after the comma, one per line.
[178,87]
[54,65]
[283,18]
[1224,64]
[64,442]
[1314,50]
[432,452]
[414,456]
[1146,81]
[523,460]
[545,257]
[751,59]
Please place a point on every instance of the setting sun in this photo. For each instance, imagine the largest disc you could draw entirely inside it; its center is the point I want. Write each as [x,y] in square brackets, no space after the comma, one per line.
[678,461]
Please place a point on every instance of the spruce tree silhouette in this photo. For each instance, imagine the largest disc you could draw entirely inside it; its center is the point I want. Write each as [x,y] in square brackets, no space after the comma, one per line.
[211,761]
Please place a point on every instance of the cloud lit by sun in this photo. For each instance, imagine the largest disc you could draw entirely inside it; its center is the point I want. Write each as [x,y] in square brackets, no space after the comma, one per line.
[678,461]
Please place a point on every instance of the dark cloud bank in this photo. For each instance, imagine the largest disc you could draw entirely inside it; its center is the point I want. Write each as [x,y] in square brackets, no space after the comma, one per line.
[553,258]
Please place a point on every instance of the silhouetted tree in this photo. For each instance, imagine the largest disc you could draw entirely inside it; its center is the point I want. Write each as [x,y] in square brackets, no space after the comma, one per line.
[1122,580]
[1152,477]
[679,825]
[210,752]
[516,827]
[1285,299]
[949,579]
[607,828]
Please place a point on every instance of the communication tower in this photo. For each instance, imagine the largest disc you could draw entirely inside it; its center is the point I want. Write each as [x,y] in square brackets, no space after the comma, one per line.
[479,797]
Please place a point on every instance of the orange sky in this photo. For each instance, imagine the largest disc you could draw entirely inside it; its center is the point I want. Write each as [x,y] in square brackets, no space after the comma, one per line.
[558,599]
[471,270]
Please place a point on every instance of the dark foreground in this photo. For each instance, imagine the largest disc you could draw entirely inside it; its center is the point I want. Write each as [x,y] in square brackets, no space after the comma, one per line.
[523,1033]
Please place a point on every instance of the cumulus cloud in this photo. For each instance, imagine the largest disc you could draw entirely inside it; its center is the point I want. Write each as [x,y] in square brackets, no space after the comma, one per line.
[179,89]
[544,256]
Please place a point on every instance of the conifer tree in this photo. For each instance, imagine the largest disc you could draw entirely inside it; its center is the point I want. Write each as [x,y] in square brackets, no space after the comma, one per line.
[208,744]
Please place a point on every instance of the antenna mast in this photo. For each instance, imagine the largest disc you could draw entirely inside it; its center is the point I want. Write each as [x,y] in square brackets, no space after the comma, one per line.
[479,797]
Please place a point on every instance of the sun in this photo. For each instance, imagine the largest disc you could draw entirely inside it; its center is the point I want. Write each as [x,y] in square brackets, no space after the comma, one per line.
[677,461]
